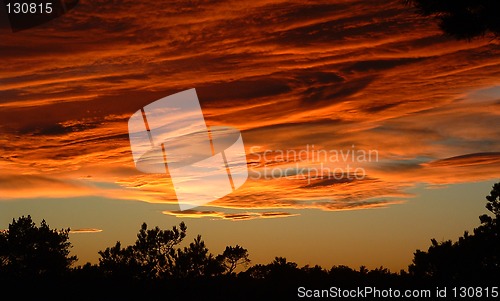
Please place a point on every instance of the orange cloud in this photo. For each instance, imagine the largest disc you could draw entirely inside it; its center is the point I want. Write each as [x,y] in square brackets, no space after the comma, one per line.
[289,75]
[85,230]
[227,216]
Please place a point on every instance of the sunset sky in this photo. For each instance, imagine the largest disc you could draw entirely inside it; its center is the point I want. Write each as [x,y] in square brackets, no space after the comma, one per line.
[292,76]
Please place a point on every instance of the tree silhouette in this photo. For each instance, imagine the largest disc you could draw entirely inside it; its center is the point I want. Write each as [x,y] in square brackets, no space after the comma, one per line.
[154,256]
[472,259]
[279,268]
[154,249]
[119,262]
[151,256]
[232,257]
[196,261]
[462,19]
[493,205]
[28,251]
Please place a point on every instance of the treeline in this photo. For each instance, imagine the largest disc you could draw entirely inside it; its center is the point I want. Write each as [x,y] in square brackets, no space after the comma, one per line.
[36,261]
